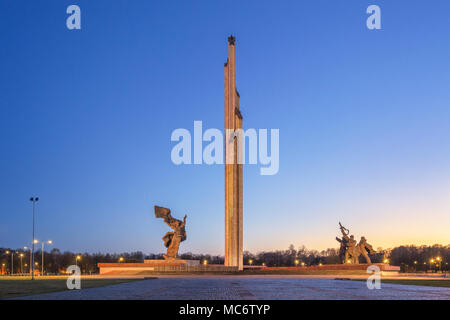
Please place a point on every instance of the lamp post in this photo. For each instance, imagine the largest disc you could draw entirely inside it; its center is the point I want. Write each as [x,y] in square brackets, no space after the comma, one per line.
[439,259]
[34,200]
[78,257]
[21,263]
[42,260]
[431,263]
[26,248]
[12,260]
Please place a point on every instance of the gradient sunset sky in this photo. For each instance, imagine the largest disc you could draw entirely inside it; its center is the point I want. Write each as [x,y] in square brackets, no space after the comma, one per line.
[86,118]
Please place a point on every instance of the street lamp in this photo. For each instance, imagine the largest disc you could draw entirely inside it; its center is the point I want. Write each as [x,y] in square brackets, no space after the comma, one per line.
[21,264]
[76,260]
[250,262]
[42,260]
[439,259]
[12,260]
[34,200]
[26,248]
[431,263]
[121,259]
[296,262]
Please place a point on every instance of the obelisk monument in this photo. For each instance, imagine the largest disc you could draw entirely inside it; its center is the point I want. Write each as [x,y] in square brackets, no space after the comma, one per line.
[233,169]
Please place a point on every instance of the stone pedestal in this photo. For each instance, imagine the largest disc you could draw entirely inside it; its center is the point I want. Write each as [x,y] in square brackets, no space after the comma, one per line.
[386,269]
[172,263]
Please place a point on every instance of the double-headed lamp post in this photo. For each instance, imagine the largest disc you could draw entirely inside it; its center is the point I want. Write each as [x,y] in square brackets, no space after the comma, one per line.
[34,200]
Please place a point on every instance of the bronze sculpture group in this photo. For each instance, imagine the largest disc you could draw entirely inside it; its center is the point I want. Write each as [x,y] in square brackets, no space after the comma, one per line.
[350,249]
[349,252]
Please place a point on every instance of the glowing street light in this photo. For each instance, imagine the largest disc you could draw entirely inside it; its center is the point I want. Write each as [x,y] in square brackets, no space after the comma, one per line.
[439,259]
[386,260]
[205,262]
[121,259]
[42,260]
[31,262]
[303,264]
[296,262]
[12,260]
[250,262]
[21,263]
[78,257]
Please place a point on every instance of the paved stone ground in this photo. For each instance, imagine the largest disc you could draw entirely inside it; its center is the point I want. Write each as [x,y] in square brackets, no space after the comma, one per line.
[235,288]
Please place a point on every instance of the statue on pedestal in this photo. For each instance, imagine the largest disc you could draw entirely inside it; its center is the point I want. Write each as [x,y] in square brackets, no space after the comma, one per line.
[350,249]
[173,239]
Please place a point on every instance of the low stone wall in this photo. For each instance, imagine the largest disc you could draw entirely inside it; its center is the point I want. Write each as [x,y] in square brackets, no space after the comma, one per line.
[187,266]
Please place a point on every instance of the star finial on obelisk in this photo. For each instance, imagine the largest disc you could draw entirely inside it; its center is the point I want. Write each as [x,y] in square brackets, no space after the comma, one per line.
[231,39]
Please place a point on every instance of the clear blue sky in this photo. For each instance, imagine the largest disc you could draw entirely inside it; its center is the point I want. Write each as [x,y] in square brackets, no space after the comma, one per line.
[86,118]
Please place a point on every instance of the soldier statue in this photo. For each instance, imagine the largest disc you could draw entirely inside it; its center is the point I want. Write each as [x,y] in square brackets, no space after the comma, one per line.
[350,249]
[173,239]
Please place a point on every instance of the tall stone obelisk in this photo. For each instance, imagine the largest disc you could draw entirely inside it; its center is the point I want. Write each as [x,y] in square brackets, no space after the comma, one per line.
[233,170]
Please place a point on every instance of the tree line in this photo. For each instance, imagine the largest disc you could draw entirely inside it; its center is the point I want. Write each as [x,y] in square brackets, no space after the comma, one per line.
[409,258]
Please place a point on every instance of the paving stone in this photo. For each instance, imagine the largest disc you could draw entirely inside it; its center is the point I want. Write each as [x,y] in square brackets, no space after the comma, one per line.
[223,288]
